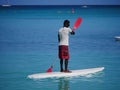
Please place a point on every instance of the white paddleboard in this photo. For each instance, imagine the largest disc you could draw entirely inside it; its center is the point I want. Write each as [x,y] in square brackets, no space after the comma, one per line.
[63,74]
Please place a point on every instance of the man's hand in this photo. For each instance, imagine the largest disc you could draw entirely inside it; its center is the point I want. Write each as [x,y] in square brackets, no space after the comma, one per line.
[72,33]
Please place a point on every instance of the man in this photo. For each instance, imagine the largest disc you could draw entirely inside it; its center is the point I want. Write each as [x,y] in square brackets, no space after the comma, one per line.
[63,38]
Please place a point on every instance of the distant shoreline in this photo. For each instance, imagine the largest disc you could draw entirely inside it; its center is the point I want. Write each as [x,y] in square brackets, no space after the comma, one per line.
[69,5]
[81,6]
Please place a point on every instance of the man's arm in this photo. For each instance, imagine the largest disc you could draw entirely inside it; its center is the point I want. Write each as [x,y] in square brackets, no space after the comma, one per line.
[58,38]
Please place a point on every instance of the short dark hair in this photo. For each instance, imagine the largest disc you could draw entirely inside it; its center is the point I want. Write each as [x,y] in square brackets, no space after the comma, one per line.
[66,23]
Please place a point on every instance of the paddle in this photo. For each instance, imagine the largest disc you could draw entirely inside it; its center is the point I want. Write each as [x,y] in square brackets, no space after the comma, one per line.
[50,69]
[76,25]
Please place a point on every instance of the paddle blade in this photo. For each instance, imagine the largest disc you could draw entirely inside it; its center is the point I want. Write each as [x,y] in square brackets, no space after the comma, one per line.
[49,70]
[77,23]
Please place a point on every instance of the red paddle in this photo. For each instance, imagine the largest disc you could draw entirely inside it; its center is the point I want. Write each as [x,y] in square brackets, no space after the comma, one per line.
[76,25]
[49,70]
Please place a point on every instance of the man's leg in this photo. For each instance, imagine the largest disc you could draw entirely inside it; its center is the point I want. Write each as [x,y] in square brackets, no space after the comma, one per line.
[61,65]
[66,65]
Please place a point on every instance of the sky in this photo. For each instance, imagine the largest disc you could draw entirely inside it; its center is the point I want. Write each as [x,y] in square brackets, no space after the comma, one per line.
[61,2]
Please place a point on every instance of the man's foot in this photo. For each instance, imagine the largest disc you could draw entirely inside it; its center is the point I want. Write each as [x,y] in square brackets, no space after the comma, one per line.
[67,71]
[61,70]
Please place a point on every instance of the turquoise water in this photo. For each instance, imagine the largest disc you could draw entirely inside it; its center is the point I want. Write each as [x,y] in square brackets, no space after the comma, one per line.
[28,45]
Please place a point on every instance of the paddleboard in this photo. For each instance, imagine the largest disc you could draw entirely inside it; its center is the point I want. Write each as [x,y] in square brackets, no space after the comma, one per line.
[81,72]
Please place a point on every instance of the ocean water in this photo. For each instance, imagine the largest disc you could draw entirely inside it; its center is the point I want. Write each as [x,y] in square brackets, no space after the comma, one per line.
[28,45]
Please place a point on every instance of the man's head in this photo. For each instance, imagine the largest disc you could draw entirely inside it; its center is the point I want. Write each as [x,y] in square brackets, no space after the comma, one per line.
[66,23]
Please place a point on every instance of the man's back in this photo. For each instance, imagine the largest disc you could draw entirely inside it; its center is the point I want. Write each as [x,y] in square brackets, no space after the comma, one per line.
[64,36]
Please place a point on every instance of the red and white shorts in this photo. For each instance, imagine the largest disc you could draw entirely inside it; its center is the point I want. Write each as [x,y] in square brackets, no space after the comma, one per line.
[63,52]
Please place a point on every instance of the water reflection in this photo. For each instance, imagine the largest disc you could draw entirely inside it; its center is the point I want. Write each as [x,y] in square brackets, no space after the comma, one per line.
[63,84]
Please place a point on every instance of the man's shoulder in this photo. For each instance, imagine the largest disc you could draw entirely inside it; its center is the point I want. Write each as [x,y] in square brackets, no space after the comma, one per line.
[65,29]
[60,29]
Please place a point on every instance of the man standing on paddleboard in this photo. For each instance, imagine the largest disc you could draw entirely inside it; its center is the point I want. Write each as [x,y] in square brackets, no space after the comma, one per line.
[63,38]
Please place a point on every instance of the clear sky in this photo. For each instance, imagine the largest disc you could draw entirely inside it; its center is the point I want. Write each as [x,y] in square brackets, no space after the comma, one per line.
[61,2]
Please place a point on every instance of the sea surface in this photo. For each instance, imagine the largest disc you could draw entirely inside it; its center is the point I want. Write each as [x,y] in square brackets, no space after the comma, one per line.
[29,45]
